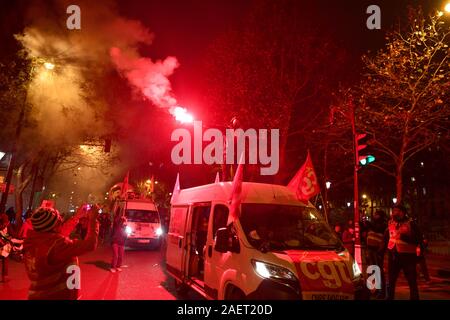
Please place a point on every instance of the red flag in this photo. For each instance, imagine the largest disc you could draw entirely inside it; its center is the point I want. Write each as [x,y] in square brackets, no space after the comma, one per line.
[124,188]
[236,191]
[304,183]
[176,188]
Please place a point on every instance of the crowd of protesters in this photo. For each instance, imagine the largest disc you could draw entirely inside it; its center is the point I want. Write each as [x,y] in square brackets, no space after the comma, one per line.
[398,239]
[51,244]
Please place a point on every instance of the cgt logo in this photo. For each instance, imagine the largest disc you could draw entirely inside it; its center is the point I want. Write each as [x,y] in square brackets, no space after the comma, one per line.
[334,274]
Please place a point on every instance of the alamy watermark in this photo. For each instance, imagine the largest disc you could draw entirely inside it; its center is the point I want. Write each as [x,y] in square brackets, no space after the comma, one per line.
[74,280]
[221,149]
[73,22]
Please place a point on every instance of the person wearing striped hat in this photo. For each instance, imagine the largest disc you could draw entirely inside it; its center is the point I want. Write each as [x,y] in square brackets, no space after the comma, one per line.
[49,253]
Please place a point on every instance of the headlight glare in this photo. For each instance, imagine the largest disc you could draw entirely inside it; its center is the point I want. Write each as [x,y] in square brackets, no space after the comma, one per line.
[271,271]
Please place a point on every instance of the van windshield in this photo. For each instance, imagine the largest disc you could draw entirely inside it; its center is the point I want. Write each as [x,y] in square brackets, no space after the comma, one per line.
[135,215]
[283,227]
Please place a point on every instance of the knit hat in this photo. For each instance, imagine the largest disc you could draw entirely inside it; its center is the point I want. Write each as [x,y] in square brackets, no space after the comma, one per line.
[45,219]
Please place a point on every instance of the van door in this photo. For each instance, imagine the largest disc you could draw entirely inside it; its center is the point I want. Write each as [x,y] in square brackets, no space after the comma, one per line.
[213,259]
[197,240]
[176,241]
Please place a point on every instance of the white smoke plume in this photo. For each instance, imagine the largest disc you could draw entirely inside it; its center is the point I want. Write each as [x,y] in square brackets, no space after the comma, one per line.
[106,40]
[150,78]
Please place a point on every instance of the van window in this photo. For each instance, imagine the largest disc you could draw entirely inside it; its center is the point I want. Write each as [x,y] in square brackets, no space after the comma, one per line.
[135,215]
[283,227]
[220,217]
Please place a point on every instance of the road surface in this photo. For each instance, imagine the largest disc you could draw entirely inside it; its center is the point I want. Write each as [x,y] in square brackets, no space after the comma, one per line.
[145,279]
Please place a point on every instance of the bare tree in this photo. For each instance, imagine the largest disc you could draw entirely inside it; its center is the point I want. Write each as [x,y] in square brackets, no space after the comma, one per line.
[273,69]
[405,91]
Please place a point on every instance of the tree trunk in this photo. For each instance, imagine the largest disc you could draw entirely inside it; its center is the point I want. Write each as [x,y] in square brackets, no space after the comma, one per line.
[399,183]
[21,185]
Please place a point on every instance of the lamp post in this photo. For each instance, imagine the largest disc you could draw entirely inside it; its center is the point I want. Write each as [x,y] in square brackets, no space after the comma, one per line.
[447,7]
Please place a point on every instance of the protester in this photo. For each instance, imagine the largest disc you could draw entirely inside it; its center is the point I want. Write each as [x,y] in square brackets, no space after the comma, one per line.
[82,227]
[403,239]
[348,238]
[105,225]
[376,246]
[338,230]
[119,237]
[48,252]
[11,214]
[421,259]
[4,222]
[27,225]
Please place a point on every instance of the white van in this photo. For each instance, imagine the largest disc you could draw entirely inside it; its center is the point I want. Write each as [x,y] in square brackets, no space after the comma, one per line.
[279,248]
[143,222]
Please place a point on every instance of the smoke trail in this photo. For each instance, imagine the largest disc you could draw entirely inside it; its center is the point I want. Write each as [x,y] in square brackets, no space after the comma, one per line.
[150,78]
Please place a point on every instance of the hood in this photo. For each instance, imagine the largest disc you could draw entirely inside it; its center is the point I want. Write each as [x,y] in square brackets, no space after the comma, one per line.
[323,274]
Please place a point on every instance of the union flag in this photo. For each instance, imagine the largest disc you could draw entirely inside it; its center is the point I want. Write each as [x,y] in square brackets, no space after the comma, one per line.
[304,183]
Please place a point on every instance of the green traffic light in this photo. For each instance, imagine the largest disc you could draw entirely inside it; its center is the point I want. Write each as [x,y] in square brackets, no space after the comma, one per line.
[365,160]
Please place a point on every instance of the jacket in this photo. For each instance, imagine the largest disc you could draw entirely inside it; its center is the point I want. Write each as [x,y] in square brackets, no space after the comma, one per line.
[119,235]
[375,235]
[47,255]
[403,236]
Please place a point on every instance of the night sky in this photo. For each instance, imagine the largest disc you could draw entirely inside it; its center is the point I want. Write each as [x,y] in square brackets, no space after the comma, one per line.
[186,29]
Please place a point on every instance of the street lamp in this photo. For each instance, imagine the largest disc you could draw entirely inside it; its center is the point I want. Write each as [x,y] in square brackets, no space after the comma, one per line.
[447,7]
[328,184]
[49,65]
[394,200]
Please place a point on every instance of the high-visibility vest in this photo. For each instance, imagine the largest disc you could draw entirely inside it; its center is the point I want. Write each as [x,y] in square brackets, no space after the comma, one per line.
[375,239]
[396,229]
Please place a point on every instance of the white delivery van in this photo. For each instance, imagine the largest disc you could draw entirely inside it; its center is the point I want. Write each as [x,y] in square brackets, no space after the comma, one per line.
[143,222]
[278,248]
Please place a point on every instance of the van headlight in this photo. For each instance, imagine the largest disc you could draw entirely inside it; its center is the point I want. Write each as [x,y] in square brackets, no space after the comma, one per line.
[159,232]
[356,270]
[270,271]
[128,230]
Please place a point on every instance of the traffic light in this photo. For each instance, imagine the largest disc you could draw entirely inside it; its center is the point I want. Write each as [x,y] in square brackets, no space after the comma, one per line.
[365,160]
[361,144]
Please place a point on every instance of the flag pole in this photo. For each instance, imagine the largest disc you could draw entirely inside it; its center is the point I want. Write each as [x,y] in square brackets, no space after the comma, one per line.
[324,206]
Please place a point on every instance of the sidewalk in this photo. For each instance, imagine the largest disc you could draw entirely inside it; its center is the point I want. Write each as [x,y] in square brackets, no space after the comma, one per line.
[441,248]
[438,265]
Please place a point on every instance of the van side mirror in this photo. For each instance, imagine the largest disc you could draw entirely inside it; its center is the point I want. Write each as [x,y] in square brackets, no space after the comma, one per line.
[222,240]
[226,241]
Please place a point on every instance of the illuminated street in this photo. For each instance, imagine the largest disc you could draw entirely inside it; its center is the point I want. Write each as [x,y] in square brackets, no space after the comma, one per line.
[145,279]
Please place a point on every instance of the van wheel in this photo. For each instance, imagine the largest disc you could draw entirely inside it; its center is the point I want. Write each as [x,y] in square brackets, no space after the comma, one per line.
[235,294]
[180,287]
